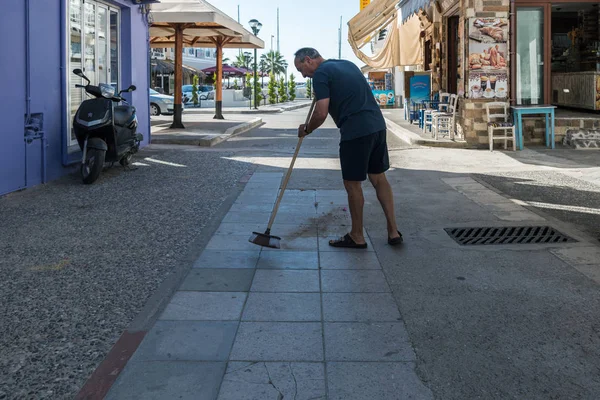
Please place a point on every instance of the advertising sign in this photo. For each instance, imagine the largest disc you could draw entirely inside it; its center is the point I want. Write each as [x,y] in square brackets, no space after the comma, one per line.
[384,97]
[419,87]
[488,85]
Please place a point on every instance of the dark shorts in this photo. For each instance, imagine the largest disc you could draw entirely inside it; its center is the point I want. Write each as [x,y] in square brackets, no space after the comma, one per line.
[364,155]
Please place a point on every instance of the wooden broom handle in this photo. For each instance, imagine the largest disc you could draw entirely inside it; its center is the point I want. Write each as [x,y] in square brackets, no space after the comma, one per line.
[289,171]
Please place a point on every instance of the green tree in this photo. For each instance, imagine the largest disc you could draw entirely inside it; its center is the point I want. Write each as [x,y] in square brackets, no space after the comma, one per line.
[272,89]
[283,97]
[258,91]
[292,87]
[195,90]
[275,62]
[309,88]
[263,67]
[236,86]
[243,60]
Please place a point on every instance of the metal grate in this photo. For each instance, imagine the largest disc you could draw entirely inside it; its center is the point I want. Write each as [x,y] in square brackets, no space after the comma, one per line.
[508,235]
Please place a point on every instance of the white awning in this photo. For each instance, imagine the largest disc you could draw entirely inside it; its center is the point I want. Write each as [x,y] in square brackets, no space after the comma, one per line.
[402,45]
[202,22]
[370,20]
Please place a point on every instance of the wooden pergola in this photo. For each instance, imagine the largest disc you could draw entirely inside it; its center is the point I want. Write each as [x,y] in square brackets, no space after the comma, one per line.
[196,23]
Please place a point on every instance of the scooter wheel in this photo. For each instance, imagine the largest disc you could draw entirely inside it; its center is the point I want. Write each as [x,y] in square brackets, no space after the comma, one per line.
[91,168]
[126,159]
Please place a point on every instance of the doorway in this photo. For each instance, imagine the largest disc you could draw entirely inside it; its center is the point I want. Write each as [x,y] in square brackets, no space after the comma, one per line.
[453,53]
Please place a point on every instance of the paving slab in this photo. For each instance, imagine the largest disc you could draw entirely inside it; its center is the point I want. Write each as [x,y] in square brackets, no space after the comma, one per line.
[159,380]
[187,341]
[288,260]
[203,306]
[228,258]
[269,280]
[278,341]
[291,307]
[272,380]
[218,280]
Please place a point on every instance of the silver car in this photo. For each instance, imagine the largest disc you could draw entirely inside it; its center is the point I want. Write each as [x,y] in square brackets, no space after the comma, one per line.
[161,103]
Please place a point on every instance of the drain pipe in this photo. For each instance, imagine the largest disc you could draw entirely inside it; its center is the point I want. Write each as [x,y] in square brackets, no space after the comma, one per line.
[64,83]
[33,124]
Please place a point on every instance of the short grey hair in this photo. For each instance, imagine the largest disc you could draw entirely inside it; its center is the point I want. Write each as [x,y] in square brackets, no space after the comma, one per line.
[307,52]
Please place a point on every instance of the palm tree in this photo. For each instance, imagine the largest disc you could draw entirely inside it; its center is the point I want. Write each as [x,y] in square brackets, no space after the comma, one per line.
[243,60]
[276,63]
[263,67]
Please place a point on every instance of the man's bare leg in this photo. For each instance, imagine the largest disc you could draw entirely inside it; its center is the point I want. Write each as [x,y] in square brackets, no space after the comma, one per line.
[356,202]
[386,198]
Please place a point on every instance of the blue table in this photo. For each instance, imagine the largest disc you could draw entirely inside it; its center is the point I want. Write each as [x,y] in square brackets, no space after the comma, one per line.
[546,109]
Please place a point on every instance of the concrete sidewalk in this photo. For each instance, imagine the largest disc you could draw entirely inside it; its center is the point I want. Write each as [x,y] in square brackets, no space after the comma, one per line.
[313,322]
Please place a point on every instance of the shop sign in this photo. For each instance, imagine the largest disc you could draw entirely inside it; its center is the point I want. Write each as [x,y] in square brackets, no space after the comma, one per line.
[364,3]
[384,97]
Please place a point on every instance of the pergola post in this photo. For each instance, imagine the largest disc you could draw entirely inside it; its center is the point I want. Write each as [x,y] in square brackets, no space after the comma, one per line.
[220,42]
[177,108]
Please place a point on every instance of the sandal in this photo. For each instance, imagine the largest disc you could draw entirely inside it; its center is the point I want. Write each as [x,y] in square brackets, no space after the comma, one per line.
[348,242]
[395,241]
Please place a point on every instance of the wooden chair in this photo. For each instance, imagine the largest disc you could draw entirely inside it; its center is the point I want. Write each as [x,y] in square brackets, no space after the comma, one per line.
[442,106]
[500,121]
[443,122]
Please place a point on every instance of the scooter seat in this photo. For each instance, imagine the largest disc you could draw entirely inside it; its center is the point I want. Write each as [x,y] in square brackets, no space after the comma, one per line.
[123,115]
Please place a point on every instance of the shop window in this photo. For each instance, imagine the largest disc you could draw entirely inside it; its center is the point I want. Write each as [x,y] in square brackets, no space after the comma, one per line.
[530,55]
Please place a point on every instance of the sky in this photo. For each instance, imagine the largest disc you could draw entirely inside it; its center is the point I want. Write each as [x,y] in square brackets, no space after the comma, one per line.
[309,23]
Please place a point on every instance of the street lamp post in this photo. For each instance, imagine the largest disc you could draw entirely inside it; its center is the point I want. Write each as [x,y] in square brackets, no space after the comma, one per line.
[255,25]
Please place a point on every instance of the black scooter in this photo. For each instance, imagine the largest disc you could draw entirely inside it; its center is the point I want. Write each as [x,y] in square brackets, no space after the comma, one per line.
[105,130]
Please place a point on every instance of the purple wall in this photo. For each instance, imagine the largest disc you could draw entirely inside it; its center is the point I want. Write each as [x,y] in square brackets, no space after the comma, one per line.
[48,76]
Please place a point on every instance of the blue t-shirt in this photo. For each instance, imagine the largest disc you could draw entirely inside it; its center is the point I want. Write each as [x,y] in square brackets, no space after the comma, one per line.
[351,102]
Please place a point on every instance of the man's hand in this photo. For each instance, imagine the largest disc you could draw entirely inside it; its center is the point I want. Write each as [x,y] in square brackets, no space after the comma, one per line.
[302,131]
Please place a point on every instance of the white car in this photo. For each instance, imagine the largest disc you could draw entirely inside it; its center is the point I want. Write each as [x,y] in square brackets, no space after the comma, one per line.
[161,103]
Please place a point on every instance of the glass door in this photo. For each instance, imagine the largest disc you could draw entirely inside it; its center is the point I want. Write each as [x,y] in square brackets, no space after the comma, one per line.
[102,29]
[93,37]
[114,48]
[530,55]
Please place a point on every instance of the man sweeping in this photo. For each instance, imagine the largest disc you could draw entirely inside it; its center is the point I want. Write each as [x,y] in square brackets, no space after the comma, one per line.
[342,91]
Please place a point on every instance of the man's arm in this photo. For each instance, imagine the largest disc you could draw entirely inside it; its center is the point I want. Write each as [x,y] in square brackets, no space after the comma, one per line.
[319,116]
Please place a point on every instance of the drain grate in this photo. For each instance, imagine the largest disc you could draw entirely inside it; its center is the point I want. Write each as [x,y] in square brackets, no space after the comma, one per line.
[508,235]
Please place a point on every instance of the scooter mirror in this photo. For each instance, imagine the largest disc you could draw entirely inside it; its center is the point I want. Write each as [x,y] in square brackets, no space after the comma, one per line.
[80,74]
[131,88]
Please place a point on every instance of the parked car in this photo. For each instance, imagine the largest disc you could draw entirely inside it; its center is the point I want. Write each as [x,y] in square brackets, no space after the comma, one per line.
[161,103]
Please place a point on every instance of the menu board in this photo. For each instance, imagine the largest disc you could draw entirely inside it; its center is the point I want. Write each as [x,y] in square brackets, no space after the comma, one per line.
[487,62]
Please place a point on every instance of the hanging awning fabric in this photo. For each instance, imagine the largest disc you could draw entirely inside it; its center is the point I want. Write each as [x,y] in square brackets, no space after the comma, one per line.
[401,47]
[411,7]
[370,20]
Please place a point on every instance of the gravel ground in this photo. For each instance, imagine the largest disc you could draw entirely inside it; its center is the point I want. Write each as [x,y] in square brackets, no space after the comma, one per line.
[556,189]
[79,262]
